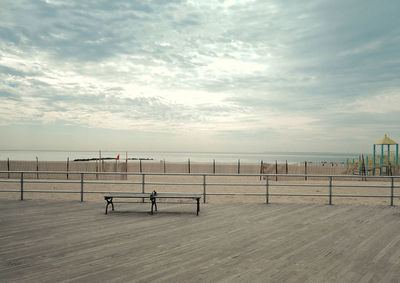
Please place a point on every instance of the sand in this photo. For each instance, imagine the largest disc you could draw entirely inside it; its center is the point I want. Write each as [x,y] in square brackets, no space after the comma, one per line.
[58,187]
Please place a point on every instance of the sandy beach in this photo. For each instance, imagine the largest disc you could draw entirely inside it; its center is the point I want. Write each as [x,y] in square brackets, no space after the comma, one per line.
[67,185]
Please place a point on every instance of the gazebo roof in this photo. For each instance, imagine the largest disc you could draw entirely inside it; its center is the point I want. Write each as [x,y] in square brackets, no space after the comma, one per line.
[386,140]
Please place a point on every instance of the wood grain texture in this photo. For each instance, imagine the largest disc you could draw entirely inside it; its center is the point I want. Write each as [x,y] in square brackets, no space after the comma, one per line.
[61,241]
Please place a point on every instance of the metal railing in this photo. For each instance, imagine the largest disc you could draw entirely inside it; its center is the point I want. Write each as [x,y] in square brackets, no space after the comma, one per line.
[266,181]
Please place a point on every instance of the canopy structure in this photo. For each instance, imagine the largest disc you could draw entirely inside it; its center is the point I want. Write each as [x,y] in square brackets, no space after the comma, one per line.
[386,141]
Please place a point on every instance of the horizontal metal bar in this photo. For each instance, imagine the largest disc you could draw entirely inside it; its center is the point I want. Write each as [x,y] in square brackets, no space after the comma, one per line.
[196,184]
[208,184]
[10,181]
[199,174]
[50,182]
[235,194]
[111,183]
[209,194]
[326,195]
[158,202]
[56,181]
[52,191]
[355,186]
[111,192]
[178,184]
[363,196]
[235,185]
[300,195]
[263,195]
[298,185]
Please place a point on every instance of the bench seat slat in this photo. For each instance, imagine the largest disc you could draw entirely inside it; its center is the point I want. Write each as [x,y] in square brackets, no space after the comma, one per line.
[134,195]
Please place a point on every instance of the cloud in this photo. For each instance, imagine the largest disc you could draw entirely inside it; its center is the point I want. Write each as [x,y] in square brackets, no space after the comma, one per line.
[230,67]
[383,103]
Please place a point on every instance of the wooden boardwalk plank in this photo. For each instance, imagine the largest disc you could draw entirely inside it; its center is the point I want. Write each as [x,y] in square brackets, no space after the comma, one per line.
[51,241]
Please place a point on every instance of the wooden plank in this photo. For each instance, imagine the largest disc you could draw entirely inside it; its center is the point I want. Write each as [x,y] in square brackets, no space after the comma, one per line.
[51,241]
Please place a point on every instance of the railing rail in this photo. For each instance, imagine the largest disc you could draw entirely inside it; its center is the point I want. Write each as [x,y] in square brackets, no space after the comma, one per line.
[204,183]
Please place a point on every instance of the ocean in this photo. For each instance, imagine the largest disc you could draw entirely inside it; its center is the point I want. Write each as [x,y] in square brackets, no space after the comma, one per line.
[267,157]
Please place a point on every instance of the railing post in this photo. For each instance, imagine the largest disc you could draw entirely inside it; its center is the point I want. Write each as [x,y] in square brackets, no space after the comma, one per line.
[204,189]
[392,192]
[82,177]
[143,176]
[330,190]
[305,170]
[37,167]
[266,190]
[68,168]
[214,166]
[287,168]
[22,186]
[97,169]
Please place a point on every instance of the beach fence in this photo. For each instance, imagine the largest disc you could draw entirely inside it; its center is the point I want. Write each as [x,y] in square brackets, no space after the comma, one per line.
[162,166]
[304,168]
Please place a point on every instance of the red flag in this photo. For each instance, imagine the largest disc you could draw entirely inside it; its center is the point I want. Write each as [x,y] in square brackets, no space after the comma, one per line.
[118,157]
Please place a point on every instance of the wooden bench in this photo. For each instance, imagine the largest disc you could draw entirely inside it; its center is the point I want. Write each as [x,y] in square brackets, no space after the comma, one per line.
[153,198]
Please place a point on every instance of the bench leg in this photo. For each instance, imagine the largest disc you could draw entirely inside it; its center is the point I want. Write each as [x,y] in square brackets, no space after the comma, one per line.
[153,204]
[198,206]
[109,201]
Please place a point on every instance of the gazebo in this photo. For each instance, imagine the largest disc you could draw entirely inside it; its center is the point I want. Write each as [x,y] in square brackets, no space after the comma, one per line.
[386,141]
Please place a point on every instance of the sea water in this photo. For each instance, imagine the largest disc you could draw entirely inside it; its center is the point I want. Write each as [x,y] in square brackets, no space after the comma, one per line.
[267,157]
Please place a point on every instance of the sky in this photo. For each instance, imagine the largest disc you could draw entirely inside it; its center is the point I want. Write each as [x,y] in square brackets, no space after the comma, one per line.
[199,75]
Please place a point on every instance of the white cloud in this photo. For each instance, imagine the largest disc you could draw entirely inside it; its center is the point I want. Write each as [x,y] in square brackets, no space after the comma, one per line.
[383,103]
[363,48]
[233,67]
[229,3]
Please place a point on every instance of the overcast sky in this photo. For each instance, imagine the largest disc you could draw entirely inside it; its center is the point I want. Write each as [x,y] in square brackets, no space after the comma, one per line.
[199,75]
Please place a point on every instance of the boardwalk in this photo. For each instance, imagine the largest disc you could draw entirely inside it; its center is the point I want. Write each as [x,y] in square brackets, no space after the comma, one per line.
[53,241]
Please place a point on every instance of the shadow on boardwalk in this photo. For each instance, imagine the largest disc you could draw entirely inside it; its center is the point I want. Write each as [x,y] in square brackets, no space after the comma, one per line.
[51,241]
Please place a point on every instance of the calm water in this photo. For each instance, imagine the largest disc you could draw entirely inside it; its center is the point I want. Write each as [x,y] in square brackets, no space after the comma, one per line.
[291,157]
